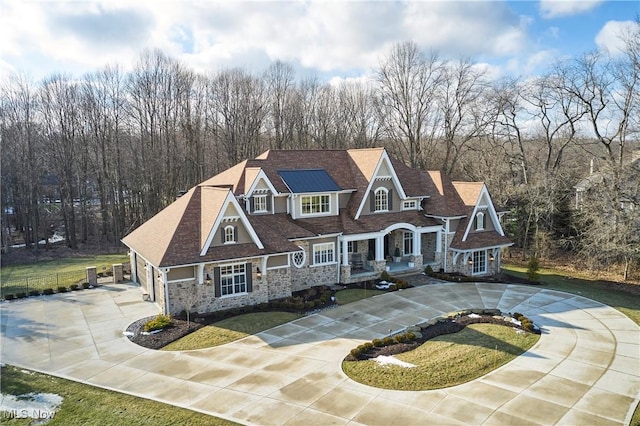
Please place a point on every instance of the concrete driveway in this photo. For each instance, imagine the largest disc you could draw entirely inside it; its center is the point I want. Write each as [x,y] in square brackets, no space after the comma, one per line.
[584,370]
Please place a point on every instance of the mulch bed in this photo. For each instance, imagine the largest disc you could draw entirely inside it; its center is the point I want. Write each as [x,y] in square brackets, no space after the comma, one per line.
[178,329]
[428,333]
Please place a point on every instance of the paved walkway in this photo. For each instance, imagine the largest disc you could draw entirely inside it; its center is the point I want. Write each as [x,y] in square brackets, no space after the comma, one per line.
[585,369]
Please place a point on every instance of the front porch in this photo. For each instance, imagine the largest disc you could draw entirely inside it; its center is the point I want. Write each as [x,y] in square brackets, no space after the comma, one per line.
[393,268]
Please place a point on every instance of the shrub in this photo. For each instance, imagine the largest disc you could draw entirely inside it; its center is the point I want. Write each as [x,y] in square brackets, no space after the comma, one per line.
[73,287]
[158,323]
[387,341]
[62,289]
[86,285]
[428,270]
[367,346]
[384,276]
[356,352]
[409,335]
[400,338]
[532,268]
[9,297]
[34,293]
[47,291]
[401,284]
[377,343]
[21,295]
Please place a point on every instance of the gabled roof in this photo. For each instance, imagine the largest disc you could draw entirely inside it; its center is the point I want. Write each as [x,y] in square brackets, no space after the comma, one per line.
[469,192]
[444,199]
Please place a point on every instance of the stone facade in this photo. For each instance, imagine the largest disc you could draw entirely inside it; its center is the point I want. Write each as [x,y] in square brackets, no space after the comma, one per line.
[278,282]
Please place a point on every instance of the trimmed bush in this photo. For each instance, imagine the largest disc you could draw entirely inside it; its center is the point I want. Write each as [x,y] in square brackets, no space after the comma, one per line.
[388,341]
[34,293]
[86,285]
[47,291]
[158,323]
[532,269]
[400,338]
[409,335]
[62,289]
[9,296]
[367,346]
[428,270]
[74,287]
[21,295]
[356,352]
[384,276]
[377,343]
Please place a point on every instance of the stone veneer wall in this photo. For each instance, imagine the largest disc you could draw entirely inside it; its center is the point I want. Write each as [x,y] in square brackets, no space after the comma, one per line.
[428,246]
[278,282]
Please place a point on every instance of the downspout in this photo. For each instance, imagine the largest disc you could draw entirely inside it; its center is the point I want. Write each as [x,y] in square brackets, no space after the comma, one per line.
[166,291]
[446,244]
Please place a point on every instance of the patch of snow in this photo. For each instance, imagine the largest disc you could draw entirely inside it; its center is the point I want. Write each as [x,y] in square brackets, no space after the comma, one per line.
[383,285]
[472,315]
[391,360]
[41,406]
[128,333]
[146,333]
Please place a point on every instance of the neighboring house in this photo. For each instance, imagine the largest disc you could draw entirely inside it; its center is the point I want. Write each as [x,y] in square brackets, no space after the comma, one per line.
[290,220]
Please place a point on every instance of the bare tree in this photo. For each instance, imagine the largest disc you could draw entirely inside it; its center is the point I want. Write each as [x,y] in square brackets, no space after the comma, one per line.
[409,83]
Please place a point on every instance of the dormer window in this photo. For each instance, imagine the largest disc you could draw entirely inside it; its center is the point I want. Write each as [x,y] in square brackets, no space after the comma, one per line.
[230,235]
[480,221]
[260,204]
[315,204]
[381,200]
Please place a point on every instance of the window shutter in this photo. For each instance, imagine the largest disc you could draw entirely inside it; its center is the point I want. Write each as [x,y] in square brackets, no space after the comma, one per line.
[249,274]
[372,201]
[252,204]
[354,245]
[269,203]
[216,281]
[235,234]
[222,232]
[390,199]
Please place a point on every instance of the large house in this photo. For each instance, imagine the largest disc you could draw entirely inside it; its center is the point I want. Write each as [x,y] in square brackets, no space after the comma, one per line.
[289,220]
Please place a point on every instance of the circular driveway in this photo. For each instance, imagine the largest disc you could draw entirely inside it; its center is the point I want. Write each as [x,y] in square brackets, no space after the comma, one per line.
[585,369]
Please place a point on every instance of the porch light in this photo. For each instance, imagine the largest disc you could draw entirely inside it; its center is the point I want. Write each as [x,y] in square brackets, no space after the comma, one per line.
[491,257]
[207,280]
[258,273]
[470,262]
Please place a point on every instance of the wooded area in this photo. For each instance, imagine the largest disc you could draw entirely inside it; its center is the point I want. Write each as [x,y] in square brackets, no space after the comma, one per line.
[96,156]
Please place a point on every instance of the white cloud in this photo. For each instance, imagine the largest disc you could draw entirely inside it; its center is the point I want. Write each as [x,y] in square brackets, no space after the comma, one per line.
[611,36]
[557,8]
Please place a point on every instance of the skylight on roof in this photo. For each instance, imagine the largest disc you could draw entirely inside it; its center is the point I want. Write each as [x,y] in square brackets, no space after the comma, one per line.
[308,180]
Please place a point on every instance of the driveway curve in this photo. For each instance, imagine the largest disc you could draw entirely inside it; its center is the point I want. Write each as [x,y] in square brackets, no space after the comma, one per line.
[585,369]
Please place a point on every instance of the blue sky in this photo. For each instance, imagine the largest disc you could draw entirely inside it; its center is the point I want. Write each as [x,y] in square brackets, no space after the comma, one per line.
[332,39]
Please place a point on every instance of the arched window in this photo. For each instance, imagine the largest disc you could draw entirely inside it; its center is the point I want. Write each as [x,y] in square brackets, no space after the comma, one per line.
[382,199]
[230,234]
[479,221]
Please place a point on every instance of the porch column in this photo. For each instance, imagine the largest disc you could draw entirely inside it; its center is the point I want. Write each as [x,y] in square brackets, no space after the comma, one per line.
[439,241]
[134,267]
[345,251]
[417,246]
[380,248]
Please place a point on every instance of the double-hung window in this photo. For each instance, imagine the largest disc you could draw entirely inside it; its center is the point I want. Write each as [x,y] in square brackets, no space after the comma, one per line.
[315,204]
[233,279]
[260,203]
[323,253]
[408,243]
[229,234]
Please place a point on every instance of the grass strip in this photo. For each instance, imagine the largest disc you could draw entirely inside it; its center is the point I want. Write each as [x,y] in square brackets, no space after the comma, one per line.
[351,295]
[87,405]
[231,329]
[446,360]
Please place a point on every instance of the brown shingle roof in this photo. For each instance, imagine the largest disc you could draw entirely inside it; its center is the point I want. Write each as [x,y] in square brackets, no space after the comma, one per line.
[177,234]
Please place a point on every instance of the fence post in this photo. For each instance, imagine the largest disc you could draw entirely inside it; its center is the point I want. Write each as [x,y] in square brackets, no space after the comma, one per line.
[92,276]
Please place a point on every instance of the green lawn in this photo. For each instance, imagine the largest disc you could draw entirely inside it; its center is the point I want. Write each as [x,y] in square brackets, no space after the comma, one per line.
[87,405]
[625,302]
[354,294]
[103,262]
[231,329]
[446,360]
